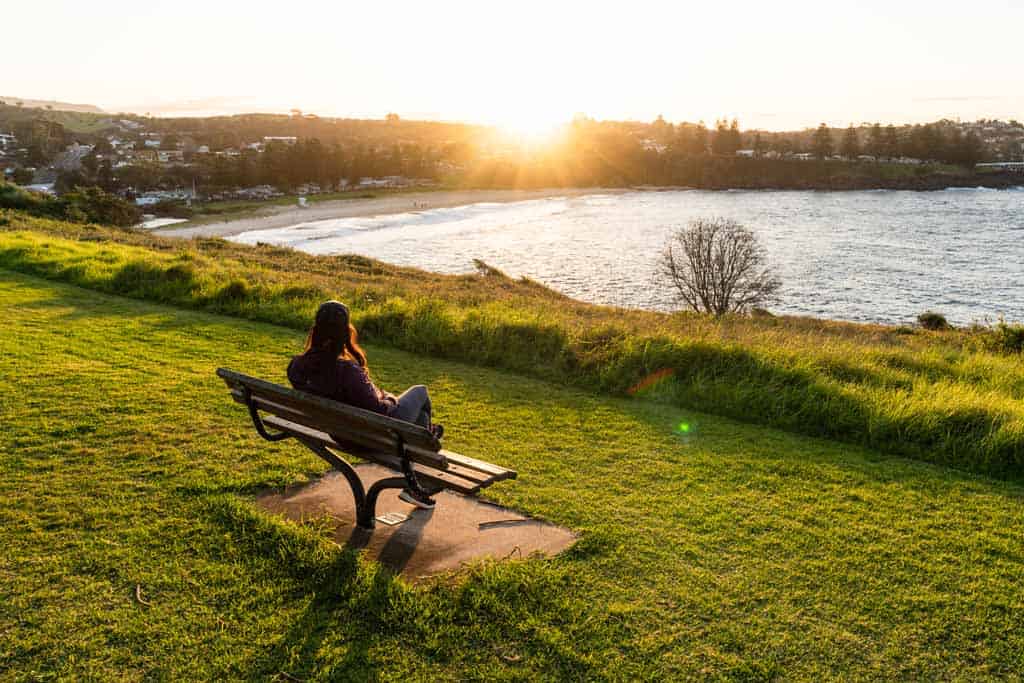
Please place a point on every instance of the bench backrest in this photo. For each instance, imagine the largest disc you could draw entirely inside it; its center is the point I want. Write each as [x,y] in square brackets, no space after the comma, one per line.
[362,427]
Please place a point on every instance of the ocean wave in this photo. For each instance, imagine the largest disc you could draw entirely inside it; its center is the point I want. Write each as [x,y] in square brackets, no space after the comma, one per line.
[981,188]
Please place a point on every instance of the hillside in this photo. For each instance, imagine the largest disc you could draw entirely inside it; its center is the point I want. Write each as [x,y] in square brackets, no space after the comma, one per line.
[953,398]
[51,104]
[134,550]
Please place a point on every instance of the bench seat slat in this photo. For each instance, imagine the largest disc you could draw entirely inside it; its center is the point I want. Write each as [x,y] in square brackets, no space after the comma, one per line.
[498,473]
[430,476]
[373,452]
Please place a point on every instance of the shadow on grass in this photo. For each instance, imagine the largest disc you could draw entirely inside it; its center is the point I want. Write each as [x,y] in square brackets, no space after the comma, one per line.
[362,607]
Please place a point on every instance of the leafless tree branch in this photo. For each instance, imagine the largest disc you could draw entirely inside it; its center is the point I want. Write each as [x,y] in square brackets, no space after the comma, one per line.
[717,266]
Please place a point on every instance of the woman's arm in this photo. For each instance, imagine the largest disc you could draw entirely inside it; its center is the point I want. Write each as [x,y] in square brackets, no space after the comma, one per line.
[360,391]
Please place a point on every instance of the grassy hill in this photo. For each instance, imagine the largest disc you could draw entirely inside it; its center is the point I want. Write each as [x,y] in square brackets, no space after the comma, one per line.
[82,122]
[953,398]
[51,104]
[728,551]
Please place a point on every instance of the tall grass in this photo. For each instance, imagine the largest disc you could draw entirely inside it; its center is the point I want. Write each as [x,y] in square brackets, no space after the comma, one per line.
[952,397]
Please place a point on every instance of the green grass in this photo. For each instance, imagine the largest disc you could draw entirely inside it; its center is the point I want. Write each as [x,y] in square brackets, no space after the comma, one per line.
[728,551]
[942,397]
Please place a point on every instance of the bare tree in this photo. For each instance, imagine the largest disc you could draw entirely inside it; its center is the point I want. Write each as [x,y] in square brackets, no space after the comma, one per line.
[717,266]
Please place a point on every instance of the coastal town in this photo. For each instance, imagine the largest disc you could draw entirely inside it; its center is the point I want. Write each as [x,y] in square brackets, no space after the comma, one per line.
[162,162]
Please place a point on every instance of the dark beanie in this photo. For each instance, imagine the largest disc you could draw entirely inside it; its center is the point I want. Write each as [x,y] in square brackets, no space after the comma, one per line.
[332,320]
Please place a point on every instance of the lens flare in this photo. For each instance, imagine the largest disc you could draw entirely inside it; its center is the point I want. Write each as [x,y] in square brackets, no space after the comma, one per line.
[683,428]
[651,380]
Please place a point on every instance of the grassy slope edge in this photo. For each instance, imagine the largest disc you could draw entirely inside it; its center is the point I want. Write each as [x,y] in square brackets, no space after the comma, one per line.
[935,397]
[731,552]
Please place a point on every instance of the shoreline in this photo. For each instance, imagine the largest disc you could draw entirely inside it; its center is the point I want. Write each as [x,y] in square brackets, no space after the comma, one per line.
[277,217]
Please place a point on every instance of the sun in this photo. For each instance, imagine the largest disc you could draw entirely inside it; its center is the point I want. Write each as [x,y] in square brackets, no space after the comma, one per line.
[532,127]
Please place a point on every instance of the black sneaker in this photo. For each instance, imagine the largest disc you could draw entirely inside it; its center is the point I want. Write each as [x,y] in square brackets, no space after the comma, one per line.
[420,500]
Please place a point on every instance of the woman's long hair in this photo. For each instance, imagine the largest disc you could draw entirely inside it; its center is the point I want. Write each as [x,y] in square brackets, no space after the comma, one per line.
[332,332]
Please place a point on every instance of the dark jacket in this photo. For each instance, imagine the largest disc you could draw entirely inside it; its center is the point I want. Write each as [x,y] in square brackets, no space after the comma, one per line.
[339,379]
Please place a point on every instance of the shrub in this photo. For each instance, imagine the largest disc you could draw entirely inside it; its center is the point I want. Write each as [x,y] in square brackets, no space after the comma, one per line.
[81,205]
[930,320]
[486,270]
[1004,338]
[172,209]
[151,281]
[233,292]
[101,207]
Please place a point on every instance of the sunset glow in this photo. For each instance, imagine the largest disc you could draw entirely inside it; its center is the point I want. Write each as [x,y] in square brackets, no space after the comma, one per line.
[530,65]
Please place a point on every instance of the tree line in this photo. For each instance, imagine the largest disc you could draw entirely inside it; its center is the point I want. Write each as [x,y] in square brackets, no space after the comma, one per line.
[334,152]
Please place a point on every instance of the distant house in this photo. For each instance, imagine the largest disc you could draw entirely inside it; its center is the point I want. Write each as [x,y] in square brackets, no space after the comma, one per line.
[386,181]
[170,156]
[153,144]
[308,188]
[1016,166]
[284,139]
[653,146]
[748,153]
[151,198]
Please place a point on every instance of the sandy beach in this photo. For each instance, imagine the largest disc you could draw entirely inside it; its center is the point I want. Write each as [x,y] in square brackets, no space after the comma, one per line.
[284,216]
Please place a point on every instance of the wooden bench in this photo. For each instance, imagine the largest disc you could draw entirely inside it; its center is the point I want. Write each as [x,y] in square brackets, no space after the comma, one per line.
[327,427]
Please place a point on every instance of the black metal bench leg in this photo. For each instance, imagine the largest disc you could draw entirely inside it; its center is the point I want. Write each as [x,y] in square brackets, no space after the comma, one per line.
[366,500]
[411,480]
[365,503]
[408,480]
[369,509]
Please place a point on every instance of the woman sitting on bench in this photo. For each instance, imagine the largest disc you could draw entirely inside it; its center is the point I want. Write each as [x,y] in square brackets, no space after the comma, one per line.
[333,366]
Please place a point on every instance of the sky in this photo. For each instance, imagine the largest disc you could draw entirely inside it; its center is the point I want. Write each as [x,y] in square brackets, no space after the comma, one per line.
[527,65]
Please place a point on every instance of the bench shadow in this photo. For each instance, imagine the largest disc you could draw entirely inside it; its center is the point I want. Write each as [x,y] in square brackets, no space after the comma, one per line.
[333,594]
[326,617]
[400,546]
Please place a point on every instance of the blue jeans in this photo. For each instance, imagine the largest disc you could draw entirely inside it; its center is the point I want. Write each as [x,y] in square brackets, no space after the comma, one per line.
[414,406]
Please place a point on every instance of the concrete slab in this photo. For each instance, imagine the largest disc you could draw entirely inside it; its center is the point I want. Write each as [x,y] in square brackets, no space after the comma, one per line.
[458,530]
